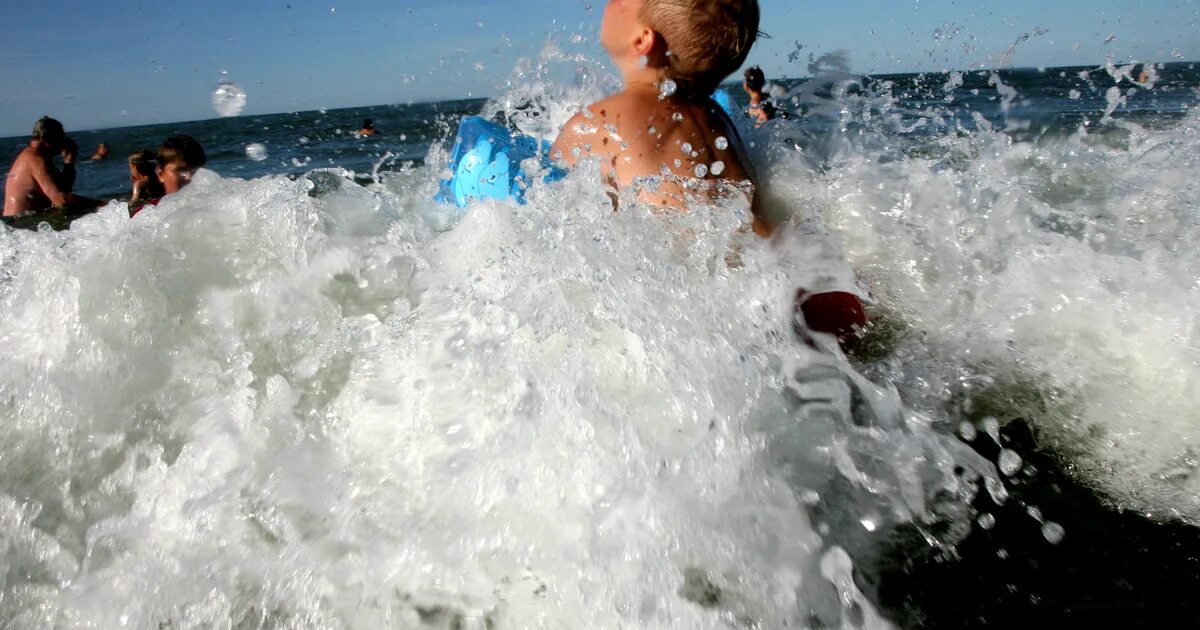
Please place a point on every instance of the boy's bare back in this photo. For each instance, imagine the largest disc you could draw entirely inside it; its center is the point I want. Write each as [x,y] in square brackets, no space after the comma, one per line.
[662,136]
[667,148]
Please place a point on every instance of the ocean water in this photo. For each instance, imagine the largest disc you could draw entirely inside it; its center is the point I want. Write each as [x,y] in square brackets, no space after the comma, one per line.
[301,394]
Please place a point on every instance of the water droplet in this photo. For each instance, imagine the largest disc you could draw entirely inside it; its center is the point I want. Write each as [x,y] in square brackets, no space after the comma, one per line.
[722,143]
[687,147]
[701,171]
[256,151]
[678,163]
[991,426]
[1074,95]
[1002,554]
[1034,513]
[1010,462]
[996,490]
[967,431]
[1053,532]
[653,130]
[228,98]
[868,524]
[667,88]
[986,521]
[718,167]
[677,117]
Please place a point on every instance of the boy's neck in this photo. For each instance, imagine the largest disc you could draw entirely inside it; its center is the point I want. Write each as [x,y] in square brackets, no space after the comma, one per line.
[642,75]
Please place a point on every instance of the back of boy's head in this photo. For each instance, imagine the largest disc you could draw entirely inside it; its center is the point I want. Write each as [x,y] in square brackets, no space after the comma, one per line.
[184,148]
[708,39]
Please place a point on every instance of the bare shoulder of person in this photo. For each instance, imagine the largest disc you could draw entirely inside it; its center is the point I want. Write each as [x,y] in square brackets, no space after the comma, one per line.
[582,136]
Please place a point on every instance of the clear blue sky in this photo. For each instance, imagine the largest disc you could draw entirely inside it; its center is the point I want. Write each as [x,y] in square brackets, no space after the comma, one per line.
[101,63]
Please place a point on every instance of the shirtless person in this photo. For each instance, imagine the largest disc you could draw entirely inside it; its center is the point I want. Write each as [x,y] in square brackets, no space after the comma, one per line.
[33,184]
[664,126]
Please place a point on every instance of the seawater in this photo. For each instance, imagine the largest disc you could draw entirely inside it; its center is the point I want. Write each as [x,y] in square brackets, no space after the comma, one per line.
[294,396]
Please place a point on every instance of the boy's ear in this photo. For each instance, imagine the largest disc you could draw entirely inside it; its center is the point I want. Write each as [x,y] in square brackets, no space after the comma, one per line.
[646,41]
[650,44]
[158,174]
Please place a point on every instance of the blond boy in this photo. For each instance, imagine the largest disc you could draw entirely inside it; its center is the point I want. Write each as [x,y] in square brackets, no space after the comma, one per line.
[664,127]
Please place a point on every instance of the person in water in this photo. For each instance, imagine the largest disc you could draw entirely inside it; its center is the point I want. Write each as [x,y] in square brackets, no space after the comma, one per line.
[761,108]
[664,128]
[101,152]
[34,184]
[145,181]
[368,128]
[179,158]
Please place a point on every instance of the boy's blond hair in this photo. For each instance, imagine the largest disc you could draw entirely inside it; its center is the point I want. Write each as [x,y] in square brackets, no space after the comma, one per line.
[708,39]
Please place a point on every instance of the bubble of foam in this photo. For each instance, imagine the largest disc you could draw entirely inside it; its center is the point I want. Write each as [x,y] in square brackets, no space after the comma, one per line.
[228,98]
[256,151]
[1009,462]
[718,167]
[701,170]
[722,143]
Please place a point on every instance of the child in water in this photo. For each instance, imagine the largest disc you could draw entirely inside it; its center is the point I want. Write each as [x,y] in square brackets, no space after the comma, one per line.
[178,159]
[664,126]
[145,184]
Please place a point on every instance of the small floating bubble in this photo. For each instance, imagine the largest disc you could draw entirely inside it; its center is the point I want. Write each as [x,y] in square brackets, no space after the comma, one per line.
[722,143]
[256,151]
[228,98]
[718,167]
[701,171]
[1053,532]
[687,147]
[1009,462]
[667,88]
[678,163]
[1074,95]
[986,521]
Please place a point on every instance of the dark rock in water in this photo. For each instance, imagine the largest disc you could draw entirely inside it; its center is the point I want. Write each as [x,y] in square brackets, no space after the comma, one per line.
[1053,555]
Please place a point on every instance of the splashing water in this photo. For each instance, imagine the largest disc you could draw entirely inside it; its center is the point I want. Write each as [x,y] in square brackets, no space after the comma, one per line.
[307,403]
[228,98]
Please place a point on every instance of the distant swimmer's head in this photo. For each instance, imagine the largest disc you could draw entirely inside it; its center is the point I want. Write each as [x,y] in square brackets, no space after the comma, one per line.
[50,132]
[178,159]
[753,79]
[368,124]
[697,43]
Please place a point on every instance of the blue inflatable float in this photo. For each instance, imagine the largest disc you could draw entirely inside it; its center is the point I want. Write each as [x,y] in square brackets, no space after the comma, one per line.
[486,163]
[486,160]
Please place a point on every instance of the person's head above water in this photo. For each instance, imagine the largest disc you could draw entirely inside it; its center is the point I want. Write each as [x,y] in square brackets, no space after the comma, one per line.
[695,43]
[50,133]
[178,159]
[753,80]
[368,124]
